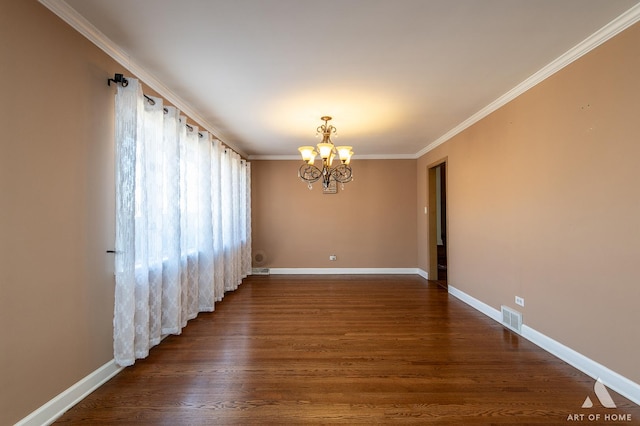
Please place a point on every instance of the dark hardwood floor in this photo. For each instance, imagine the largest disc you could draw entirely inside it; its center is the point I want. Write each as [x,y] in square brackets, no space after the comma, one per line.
[350,350]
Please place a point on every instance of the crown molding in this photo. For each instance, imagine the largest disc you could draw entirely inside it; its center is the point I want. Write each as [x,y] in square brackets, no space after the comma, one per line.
[355,157]
[290,157]
[605,33]
[84,27]
[90,32]
[385,157]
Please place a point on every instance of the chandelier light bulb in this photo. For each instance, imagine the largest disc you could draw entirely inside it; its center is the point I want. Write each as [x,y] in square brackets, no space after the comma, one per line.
[306,152]
[344,152]
[348,160]
[325,150]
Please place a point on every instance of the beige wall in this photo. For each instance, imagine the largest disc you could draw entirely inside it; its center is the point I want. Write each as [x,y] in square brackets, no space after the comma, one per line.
[56,207]
[544,203]
[371,224]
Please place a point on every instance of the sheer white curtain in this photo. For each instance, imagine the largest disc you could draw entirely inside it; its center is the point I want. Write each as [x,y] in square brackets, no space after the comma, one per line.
[206,288]
[236,212]
[171,188]
[182,222]
[245,217]
[216,198]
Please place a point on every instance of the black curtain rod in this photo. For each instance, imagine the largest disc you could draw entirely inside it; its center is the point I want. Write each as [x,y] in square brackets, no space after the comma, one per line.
[152,102]
[166,111]
[149,99]
[119,78]
[190,127]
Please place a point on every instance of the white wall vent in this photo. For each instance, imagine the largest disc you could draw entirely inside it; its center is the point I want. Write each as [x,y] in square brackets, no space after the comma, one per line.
[260,271]
[511,319]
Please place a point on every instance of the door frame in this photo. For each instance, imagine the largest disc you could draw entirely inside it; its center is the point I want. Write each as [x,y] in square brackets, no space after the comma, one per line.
[432,215]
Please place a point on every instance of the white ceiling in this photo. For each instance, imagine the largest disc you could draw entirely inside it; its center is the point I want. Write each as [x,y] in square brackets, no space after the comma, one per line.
[396,75]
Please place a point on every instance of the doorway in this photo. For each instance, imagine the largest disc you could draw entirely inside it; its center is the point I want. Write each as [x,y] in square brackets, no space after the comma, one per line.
[438,263]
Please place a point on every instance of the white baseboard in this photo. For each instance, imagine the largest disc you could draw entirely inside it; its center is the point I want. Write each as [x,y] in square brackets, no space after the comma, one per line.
[342,271]
[424,274]
[610,378]
[492,313]
[56,407]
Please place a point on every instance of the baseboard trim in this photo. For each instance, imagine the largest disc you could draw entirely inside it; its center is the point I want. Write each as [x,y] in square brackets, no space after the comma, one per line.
[56,407]
[610,378]
[343,271]
[492,313]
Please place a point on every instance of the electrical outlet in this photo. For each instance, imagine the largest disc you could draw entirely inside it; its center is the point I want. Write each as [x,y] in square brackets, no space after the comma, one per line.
[333,257]
[520,301]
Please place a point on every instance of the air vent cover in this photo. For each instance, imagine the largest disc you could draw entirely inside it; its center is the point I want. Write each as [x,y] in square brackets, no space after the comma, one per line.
[511,319]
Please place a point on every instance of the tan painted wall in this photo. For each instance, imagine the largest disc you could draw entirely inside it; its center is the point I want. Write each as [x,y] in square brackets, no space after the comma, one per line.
[371,224]
[544,203]
[56,207]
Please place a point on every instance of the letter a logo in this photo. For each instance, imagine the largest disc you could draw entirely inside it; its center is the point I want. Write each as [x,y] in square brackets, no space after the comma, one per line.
[602,394]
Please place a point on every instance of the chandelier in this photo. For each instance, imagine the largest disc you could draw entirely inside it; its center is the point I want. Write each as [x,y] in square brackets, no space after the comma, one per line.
[340,174]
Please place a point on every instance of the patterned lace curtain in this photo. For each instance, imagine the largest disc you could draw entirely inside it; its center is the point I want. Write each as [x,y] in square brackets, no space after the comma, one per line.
[171,265]
[173,235]
[245,217]
[216,202]
[190,200]
[234,211]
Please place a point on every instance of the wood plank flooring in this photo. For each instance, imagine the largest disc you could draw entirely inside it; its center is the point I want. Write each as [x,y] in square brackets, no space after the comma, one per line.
[348,350]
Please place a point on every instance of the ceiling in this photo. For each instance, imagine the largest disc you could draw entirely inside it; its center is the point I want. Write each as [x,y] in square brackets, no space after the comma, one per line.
[396,75]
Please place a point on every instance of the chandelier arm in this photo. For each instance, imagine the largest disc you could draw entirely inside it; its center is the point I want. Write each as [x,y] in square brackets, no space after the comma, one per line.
[309,173]
[342,173]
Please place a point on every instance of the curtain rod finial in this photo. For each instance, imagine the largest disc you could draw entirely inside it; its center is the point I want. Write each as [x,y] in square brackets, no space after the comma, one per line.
[118,78]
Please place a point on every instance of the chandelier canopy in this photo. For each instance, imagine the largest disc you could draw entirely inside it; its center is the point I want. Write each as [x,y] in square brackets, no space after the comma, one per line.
[328,151]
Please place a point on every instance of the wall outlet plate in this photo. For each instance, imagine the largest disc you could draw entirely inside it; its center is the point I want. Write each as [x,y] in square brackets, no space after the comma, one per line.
[333,257]
[520,301]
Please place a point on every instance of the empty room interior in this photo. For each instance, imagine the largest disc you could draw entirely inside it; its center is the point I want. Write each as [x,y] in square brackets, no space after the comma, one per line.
[416,211]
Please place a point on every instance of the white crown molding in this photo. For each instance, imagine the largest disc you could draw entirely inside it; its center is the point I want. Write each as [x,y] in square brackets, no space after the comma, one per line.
[79,23]
[89,31]
[274,157]
[355,157]
[384,157]
[610,378]
[605,33]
